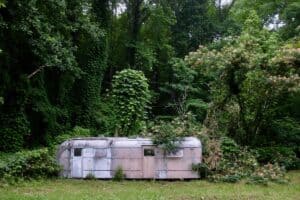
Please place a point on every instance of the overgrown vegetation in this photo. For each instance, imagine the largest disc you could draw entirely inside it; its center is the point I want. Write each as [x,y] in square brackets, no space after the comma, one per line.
[130,96]
[76,68]
[27,165]
[119,174]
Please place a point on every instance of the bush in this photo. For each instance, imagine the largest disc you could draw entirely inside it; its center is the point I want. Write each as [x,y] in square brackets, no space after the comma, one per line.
[212,153]
[28,165]
[90,176]
[168,134]
[202,170]
[284,156]
[77,131]
[232,169]
[164,135]
[229,147]
[233,163]
[266,173]
[119,174]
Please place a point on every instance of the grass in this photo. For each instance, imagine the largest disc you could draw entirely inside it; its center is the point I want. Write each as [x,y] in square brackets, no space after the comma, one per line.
[65,189]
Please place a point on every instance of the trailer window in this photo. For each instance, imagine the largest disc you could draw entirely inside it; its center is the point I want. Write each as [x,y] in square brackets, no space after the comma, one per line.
[176,154]
[77,152]
[149,152]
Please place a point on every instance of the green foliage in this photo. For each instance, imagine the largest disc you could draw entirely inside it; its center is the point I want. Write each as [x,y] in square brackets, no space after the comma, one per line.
[202,170]
[212,152]
[225,161]
[46,57]
[154,50]
[287,14]
[28,165]
[243,76]
[92,59]
[90,176]
[2,3]
[57,57]
[229,147]
[267,173]
[232,169]
[194,26]
[119,174]
[284,156]
[106,117]
[131,96]
[168,135]
[76,132]
[186,90]
[14,129]
[242,164]
[165,136]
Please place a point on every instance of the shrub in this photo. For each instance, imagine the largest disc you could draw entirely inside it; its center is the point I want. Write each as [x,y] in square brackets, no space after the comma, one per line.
[77,131]
[284,156]
[202,170]
[165,136]
[168,134]
[90,176]
[266,173]
[28,165]
[119,174]
[232,169]
[235,163]
[212,153]
[229,147]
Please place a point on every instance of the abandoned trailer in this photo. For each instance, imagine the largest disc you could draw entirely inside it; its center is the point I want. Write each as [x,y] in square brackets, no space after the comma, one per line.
[139,158]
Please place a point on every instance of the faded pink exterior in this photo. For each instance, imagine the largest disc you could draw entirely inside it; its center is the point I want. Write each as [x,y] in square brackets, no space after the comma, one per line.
[138,157]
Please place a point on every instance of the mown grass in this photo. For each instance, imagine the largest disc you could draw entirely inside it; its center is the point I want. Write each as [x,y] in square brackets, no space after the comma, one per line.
[157,190]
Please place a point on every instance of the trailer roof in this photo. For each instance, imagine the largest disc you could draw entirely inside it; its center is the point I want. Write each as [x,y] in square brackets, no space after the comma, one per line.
[121,142]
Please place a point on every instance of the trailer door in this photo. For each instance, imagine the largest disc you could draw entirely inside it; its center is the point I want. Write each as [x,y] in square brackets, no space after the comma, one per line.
[148,162]
[76,169]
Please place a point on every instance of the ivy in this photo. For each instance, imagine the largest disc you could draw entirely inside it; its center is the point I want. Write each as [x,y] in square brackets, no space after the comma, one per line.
[131,97]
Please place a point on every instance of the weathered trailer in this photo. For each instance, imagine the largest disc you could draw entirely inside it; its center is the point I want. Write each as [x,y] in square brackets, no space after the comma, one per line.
[139,158]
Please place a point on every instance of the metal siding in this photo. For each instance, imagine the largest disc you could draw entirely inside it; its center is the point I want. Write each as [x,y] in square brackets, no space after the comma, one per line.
[127,164]
[102,164]
[101,157]
[76,170]
[148,164]
[126,152]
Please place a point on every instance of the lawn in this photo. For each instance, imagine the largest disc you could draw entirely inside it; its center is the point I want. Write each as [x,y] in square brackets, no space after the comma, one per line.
[130,190]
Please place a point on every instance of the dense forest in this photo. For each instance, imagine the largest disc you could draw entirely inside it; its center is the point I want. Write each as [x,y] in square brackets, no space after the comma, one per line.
[224,71]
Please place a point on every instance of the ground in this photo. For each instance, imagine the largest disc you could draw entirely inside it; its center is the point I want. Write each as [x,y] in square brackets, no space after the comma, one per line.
[65,189]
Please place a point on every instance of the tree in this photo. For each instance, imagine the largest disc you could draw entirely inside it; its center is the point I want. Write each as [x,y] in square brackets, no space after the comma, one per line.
[42,45]
[249,79]
[194,26]
[92,58]
[136,14]
[282,15]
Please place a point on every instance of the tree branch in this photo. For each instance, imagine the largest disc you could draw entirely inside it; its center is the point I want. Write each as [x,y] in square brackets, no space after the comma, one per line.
[36,71]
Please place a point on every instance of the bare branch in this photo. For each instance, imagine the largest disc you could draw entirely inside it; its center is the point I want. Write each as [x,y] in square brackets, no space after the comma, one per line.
[36,71]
